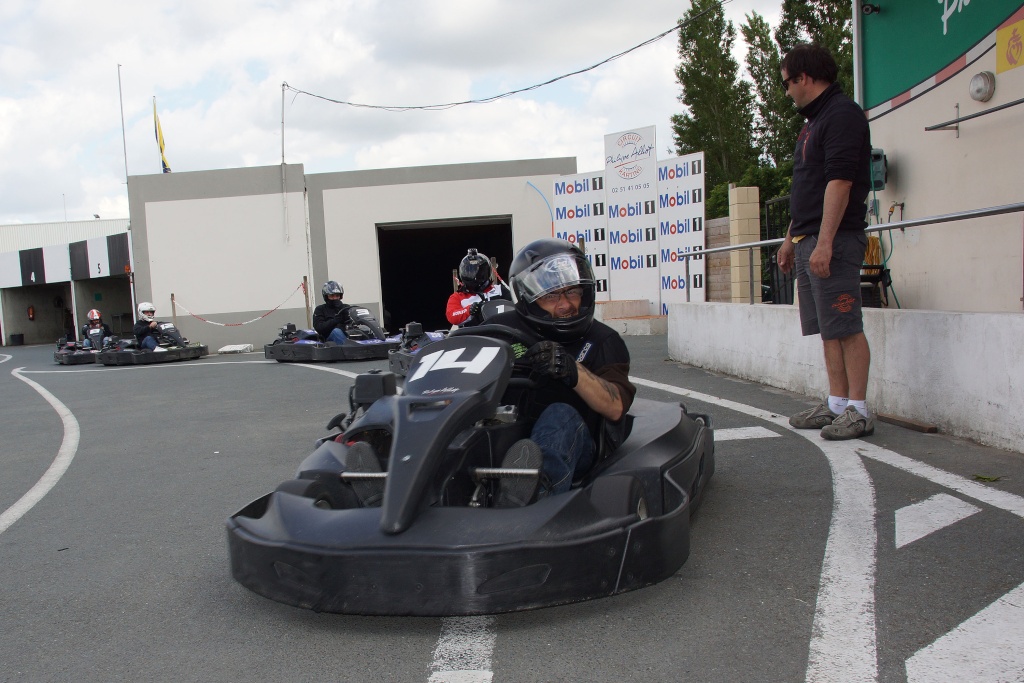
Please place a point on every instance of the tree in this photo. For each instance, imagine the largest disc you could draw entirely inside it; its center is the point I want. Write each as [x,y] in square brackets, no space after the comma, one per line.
[776,122]
[719,105]
[826,22]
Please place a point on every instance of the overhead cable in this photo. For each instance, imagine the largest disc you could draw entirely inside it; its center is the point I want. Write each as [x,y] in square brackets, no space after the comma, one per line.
[494,98]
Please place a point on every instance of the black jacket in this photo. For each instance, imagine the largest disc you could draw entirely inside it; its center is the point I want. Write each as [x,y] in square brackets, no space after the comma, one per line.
[143,330]
[834,144]
[604,353]
[326,318]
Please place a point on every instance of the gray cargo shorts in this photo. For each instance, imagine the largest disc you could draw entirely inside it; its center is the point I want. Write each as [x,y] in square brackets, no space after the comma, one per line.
[831,306]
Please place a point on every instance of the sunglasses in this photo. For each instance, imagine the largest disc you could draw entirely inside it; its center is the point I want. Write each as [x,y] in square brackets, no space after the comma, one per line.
[572,294]
[787,81]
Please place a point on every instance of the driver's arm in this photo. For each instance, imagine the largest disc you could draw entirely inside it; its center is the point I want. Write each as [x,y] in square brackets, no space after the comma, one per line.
[602,396]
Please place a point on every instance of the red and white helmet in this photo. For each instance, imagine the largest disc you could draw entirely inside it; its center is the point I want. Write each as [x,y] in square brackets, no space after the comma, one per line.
[94,316]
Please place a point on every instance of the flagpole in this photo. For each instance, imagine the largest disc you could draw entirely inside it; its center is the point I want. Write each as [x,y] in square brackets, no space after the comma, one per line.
[124,143]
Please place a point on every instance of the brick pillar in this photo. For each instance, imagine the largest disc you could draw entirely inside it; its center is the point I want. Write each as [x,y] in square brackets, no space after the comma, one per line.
[744,226]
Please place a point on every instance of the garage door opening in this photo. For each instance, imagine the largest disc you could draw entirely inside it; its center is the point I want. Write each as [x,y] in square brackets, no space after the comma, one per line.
[417,260]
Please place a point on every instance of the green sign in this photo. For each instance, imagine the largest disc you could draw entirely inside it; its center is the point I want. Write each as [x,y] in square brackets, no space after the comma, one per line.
[909,41]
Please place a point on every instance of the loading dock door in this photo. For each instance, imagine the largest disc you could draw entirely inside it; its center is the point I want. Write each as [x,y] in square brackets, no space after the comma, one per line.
[417,259]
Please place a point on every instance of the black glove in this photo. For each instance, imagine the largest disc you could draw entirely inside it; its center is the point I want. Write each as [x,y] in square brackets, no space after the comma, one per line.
[552,360]
[474,310]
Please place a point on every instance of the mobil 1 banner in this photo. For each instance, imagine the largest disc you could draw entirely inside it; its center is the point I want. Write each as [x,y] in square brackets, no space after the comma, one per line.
[631,190]
[681,229]
[580,218]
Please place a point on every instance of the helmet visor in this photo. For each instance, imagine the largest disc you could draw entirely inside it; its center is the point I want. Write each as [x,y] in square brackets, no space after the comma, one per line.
[557,271]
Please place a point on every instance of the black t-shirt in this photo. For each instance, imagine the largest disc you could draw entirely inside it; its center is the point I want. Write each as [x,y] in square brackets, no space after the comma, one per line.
[604,353]
[834,144]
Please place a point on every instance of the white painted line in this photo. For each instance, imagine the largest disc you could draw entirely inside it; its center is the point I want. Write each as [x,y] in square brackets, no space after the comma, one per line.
[463,652]
[843,642]
[1003,500]
[920,519]
[344,373]
[4,357]
[738,433]
[984,649]
[173,365]
[60,464]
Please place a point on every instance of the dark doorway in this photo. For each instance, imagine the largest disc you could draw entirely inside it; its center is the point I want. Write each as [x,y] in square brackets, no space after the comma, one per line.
[417,260]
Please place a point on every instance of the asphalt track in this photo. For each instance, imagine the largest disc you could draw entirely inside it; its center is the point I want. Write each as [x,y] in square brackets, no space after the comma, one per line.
[893,558]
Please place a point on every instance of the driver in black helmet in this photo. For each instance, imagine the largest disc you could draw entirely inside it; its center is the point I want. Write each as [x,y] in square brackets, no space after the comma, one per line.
[583,366]
[330,317]
[478,282]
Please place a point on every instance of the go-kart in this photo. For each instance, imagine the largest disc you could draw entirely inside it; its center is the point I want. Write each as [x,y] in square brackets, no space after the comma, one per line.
[73,352]
[171,346]
[436,542]
[366,340]
[414,338]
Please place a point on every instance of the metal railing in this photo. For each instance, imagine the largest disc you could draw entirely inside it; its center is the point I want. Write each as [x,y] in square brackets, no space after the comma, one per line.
[881,227]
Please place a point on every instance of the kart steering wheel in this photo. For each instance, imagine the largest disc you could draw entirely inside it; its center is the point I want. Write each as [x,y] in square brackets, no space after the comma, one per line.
[505,333]
[510,335]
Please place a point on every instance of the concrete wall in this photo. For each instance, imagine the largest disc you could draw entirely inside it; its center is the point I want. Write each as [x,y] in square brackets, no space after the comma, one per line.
[971,265]
[346,208]
[230,245]
[961,371]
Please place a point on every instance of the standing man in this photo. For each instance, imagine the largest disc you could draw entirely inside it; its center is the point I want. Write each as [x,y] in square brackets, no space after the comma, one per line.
[826,240]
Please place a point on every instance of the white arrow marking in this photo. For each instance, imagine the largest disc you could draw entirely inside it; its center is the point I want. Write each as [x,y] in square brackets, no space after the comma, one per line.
[920,519]
[984,649]
[738,433]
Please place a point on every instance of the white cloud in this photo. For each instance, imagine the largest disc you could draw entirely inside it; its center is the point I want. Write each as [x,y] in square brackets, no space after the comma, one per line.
[216,69]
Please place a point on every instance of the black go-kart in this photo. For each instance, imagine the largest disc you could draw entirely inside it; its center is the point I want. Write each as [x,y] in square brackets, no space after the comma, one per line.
[73,352]
[436,542]
[414,338]
[171,346]
[366,340]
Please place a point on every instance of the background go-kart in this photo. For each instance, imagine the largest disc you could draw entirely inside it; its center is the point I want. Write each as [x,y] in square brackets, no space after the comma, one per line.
[113,559]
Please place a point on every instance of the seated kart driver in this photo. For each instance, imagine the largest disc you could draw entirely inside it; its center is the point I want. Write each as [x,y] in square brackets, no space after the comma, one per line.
[582,366]
[331,317]
[95,319]
[477,283]
[146,328]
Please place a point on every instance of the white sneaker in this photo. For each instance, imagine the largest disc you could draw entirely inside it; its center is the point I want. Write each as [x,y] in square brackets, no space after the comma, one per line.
[160,349]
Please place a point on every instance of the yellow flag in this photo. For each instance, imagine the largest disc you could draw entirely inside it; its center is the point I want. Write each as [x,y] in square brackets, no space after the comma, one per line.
[160,138]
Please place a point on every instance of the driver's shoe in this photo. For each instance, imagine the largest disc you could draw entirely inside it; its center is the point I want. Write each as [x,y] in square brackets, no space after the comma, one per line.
[362,458]
[519,490]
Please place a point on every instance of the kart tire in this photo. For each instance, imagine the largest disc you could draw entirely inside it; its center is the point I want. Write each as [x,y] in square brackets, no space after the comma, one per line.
[315,489]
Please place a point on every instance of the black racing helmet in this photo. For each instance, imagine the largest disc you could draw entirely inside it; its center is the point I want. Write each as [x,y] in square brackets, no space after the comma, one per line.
[475,272]
[331,287]
[542,267]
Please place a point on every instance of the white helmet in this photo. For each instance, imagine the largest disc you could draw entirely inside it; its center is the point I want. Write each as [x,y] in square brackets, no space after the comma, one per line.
[146,311]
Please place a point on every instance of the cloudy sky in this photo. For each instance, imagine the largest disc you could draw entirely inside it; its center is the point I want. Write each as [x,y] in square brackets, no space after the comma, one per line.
[216,69]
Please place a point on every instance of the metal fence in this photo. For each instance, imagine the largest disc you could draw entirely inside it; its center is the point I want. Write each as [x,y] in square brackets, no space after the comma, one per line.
[776,286]
[766,244]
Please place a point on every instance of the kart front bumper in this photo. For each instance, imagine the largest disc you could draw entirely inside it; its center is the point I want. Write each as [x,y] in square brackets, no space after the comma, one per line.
[452,561]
